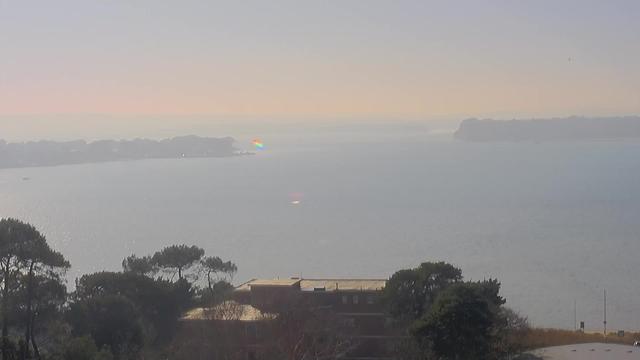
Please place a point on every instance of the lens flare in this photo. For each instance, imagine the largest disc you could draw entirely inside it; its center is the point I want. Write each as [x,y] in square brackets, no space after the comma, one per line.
[258,144]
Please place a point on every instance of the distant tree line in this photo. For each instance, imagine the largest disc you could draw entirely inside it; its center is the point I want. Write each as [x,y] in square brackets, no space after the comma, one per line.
[133,313]
[46,153]
[557,129]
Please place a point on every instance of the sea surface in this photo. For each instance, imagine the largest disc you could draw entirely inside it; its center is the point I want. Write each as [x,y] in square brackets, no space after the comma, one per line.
[554,222]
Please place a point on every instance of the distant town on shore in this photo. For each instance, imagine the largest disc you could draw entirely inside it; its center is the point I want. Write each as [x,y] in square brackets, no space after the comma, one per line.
[557,129]
[50,153]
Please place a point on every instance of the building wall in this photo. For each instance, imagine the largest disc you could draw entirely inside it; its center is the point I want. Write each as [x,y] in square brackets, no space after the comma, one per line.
[362,306]
[365,318]
[265,298]
[242,297]
[366,325]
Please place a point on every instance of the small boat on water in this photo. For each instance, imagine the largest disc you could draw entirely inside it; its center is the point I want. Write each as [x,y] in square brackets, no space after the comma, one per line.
[26,178]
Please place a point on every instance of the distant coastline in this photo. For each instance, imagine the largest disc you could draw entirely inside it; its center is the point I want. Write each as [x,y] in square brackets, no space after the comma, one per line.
[53,153]
[557,129]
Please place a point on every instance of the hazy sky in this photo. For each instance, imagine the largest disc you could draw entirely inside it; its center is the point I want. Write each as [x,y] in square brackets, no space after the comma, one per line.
[415,59]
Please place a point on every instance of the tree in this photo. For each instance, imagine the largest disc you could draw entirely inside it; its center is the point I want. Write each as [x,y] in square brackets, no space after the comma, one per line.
[409,292]
[459,324]
[208,297]
[17,245]
[83,348]
[509,334]
[490,289]
[48,296]
[212,266]
[143,266]
[39,260]
[103,354]
[158,302]
[79,348]
[177,259]
[111,320]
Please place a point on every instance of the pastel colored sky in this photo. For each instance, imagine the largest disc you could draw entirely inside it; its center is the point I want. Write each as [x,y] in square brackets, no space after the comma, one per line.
[419,59]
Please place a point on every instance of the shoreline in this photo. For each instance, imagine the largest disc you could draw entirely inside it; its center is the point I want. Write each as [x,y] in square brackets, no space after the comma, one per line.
[34,166]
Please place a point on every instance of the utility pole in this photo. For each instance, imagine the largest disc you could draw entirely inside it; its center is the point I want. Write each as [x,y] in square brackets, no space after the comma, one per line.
[605,313]
[575,318]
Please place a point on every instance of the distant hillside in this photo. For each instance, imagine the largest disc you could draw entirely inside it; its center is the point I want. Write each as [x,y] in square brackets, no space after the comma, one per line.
[571,128]
[48,153]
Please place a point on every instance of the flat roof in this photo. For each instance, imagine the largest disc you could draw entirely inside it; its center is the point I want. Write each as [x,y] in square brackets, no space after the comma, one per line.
[226,311]
[590,351]
[343,284]
[311,284]
[267,282]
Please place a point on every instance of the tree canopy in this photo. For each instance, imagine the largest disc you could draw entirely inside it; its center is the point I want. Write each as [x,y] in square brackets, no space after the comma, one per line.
[26,262]
[177,259]
[409,292]
[142,266]
[112,321]
[458,325]
[110,315]
[215,269]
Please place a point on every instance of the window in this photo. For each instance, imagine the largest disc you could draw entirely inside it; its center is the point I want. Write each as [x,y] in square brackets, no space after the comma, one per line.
[345,299]
[252,331]
[355,299]
[370,300]
[349,322]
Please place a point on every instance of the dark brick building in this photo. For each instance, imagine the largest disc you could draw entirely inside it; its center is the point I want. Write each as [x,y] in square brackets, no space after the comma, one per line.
[352,301]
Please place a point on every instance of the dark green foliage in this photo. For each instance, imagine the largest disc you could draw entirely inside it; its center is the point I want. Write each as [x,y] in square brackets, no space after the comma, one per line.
[159,302]
[509,336]
[458,325]
[217,271]
[410,292]
[141,266]
[110,315]
[48,297]
[103,354]
[111,320]
[490,289]
[220,292]
[177,259]
[79,348]
[15,239]
[83,348]
[26,261]
[449,319]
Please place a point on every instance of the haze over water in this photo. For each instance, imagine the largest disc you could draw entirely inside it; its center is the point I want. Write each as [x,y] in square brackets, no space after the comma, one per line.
[554,222]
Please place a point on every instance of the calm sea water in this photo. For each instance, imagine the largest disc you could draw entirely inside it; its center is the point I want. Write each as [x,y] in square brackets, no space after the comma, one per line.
[555,222]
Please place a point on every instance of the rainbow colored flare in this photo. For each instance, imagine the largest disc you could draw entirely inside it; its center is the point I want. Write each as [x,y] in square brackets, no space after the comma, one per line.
[258,144]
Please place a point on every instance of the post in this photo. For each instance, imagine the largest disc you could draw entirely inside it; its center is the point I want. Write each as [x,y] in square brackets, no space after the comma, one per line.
[605,313]
[575,319]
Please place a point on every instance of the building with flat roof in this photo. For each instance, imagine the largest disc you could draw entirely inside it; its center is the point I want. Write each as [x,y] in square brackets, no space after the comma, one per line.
[352,302]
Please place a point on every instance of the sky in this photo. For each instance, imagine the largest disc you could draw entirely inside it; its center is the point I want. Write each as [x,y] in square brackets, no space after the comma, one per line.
[122,62]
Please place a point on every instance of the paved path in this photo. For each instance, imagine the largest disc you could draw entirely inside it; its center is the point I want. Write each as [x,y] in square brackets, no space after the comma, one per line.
[584,352]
